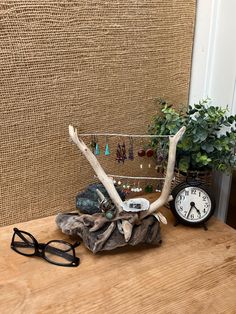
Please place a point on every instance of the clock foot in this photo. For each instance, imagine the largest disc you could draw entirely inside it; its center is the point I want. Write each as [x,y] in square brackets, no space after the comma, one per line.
[205,226]
[176,223]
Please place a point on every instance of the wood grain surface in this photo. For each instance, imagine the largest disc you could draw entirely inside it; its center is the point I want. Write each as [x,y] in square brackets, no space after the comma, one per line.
[194,271]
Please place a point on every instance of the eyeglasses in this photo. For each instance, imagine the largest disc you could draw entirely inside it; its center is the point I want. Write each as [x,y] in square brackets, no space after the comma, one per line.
[57,252]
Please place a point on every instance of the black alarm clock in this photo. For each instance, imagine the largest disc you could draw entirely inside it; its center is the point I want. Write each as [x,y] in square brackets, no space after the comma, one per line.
[193,203]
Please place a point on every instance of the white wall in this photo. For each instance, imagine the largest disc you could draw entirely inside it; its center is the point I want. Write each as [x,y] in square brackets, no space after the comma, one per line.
[214,68]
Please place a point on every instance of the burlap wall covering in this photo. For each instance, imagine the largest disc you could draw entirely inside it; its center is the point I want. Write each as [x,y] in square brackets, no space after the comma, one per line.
[95,64]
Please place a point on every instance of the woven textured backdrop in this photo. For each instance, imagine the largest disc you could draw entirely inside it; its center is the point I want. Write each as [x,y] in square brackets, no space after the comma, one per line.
[94,64]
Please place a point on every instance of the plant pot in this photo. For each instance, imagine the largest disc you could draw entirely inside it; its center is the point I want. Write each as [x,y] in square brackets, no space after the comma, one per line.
[205,176]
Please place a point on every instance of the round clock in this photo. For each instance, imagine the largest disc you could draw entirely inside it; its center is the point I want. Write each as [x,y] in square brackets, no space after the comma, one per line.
[193,203]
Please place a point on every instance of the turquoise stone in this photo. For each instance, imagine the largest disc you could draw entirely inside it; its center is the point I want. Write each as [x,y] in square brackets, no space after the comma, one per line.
[107,150]
[97,150]
[109,214]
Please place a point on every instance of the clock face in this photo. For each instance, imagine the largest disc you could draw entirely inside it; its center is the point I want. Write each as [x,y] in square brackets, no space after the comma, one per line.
[193,204]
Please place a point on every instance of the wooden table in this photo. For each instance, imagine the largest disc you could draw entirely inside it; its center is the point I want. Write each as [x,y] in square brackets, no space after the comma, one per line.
[194,271]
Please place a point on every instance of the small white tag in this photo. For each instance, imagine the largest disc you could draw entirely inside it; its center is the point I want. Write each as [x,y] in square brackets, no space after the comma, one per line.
[136,205]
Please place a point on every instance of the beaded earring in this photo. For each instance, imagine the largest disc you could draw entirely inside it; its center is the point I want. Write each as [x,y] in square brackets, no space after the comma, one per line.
[123,152]
[131,149]
[118,153]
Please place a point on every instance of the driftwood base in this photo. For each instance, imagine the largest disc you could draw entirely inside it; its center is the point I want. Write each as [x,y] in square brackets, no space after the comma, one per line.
[147,232]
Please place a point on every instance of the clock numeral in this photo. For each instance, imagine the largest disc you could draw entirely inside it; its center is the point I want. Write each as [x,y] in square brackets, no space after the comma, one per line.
[181,208]
[204,198]
[185,213]
[186,193]
[206,205]
[192,216]
[199,193]
[193,191]
[181,197]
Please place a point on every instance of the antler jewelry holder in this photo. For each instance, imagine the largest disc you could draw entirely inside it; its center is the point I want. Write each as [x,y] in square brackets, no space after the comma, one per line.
[119,223]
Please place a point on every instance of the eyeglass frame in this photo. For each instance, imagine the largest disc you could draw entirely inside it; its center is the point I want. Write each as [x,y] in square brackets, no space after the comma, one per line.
[39,249]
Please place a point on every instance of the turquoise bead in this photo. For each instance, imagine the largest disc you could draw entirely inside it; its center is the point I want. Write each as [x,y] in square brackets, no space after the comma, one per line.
[107,150]
[97,150]
[109,215]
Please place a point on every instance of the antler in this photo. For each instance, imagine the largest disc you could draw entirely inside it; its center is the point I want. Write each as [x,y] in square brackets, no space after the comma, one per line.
[165,194]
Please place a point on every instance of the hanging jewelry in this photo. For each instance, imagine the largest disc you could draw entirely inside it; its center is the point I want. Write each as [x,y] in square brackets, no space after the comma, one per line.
[107,150]
[158,189]
[139,189]
[149,153]
[123,152]
[149,188]
[162,153]
[119,153]
[97,149]
[93,143]
[141,153]
[131,149]
[133,188]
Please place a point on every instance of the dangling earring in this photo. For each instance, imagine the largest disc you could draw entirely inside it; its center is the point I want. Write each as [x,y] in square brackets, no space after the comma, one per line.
[141,153]
[123,152]
[93,143]
[131,149]
[139,189]
[149,153]
[158,189]
[159,154]
[97,149]
[149,188]
[107,150]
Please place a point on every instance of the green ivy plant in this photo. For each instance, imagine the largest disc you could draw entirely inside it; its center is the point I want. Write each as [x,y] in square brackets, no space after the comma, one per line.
[210,138]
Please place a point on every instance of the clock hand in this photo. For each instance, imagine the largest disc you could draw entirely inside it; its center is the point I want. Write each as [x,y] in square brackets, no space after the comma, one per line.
[189,211]
[198,211]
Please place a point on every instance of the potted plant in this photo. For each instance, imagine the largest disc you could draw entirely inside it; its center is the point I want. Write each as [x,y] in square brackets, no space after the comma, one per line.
[209,140]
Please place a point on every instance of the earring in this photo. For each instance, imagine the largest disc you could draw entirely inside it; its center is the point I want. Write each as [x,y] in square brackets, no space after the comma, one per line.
[139,189]
[131,149]
[93,143]
[107,150]
[149,188]
[141,153]
[158,189]
[159,154]
[118,153]
[97,149]
[123,152]
[149,153]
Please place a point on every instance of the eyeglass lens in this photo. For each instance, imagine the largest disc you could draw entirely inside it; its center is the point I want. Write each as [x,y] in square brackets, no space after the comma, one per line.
[59,252]
[24,244]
